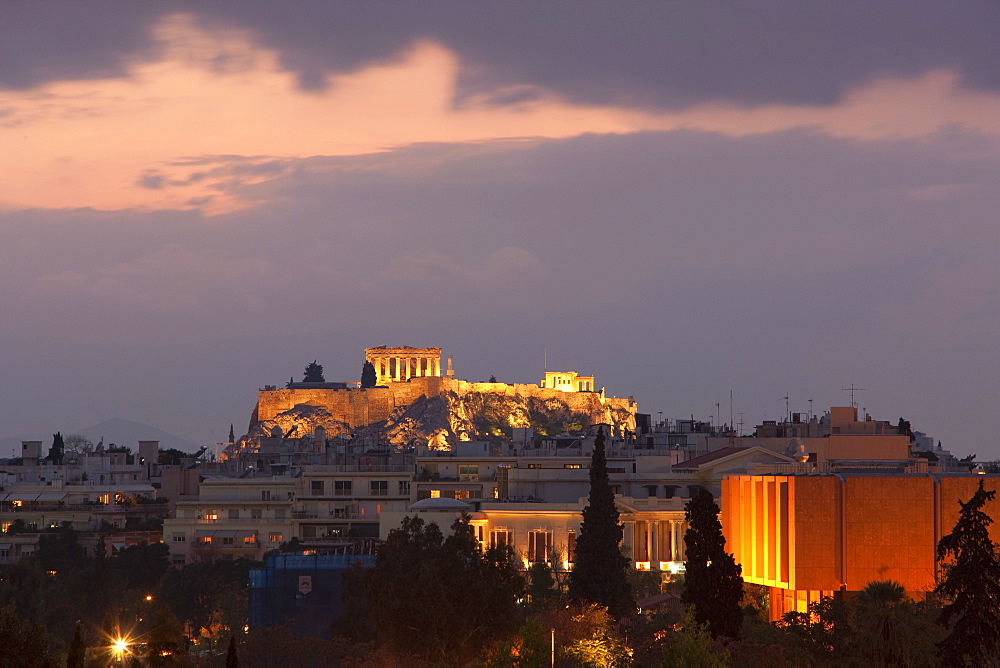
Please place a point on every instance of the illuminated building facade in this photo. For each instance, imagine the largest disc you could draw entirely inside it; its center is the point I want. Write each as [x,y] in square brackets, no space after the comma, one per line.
[808,535]
[403,363]
[568,381]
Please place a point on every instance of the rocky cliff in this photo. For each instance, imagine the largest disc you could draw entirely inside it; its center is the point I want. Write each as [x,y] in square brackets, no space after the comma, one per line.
[436,411]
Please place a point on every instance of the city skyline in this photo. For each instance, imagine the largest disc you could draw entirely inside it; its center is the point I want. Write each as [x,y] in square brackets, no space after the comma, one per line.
[682,199]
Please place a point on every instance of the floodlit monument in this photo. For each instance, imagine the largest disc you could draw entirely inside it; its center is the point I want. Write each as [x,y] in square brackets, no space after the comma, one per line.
[403,363]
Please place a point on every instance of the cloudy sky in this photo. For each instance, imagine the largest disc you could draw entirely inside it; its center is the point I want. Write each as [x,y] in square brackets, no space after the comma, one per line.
[684,199]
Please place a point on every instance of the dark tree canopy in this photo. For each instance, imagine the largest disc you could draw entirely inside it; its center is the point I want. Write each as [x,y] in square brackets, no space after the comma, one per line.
[440,598]
[314,373]
[58,448]
[971,586]
[599,568]
[713,580]
[368,376]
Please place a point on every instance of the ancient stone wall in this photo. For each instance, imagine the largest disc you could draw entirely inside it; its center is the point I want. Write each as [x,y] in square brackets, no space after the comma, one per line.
[362,407]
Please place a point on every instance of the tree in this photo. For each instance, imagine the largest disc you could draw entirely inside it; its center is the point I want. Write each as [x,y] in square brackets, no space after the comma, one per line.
[314,373]
[492,379]
[232,658]
[22,642]
[77,444]
[77,656]
[368,375]
[971,585]
[57,449]
[465,597]
[713,579]
[598,574]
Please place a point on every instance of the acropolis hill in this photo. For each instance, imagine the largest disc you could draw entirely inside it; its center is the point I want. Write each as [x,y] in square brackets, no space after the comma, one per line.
[413,404]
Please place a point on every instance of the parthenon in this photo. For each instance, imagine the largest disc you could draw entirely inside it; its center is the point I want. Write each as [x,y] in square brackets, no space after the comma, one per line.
[402,363]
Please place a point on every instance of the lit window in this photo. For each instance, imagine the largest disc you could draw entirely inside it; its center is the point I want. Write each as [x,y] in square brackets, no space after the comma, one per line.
[206,539]
[571,466]
[212,516]
[501,536]
[435,493]
[275,537]
[539,545]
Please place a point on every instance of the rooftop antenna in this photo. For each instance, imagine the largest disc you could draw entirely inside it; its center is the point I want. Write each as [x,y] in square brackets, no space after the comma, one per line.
[730,409]
[740,424]
[788,415]
[718,411]
[852,389]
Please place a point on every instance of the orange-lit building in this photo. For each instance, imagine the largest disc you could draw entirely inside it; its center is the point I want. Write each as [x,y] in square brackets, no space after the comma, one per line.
[810,535]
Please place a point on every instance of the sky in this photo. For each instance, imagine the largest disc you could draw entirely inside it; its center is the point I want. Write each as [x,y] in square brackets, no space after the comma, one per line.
[688,200]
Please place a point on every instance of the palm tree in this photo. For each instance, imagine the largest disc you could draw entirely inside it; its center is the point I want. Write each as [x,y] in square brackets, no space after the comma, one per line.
[878,612]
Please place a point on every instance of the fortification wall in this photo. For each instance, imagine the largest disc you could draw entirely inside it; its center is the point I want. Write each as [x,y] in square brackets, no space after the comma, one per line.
[360,407]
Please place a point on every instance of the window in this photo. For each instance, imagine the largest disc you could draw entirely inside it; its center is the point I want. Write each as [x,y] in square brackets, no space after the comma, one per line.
[180,538]
[227,540]
[435,493]
[379,487]
[461,494]
[265,495]
[539,545]
[534,466]
[342,487]
[501,536]
[275,537]
[234,514]
[571,466]
[4,553]
[256,513]
[212,517]
[5,526]
[468,472]
[316,487]
[207,540]
[571,547]
[249,540]
[404,487]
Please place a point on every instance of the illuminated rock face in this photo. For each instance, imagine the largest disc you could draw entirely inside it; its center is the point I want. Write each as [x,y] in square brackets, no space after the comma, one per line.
[437,410]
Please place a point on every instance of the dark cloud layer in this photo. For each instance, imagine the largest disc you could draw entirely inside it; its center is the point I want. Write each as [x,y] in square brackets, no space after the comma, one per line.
[663,54]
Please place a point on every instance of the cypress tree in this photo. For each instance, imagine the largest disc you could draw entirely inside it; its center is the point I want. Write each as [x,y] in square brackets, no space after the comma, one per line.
[77,656]
[368,376]
[232,658]
[972,585]
[713,582]
[599,570]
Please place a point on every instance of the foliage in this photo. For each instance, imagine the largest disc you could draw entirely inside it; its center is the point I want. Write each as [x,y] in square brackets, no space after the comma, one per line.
[142,566]
[282,646]
[77,650]
[713,580]
[77,443]
[971,586]
[599,569]
[314,373]
[171,456]
[57,450]
[232,655]
[465,597]
[542,586]
[368,376]
[582,633]
[211,596]
[61,551]
[22,642]
[690,646]
[165,641]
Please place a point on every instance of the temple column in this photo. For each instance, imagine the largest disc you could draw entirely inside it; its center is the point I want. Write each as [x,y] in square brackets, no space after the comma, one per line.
[395,375]
[673,541]
[654,535]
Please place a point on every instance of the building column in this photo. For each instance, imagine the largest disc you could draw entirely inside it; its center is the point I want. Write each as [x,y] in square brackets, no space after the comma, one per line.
[654,536]
[395,375]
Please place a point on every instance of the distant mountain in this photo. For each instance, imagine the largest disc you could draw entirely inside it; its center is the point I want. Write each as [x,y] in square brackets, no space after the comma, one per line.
[115,430]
